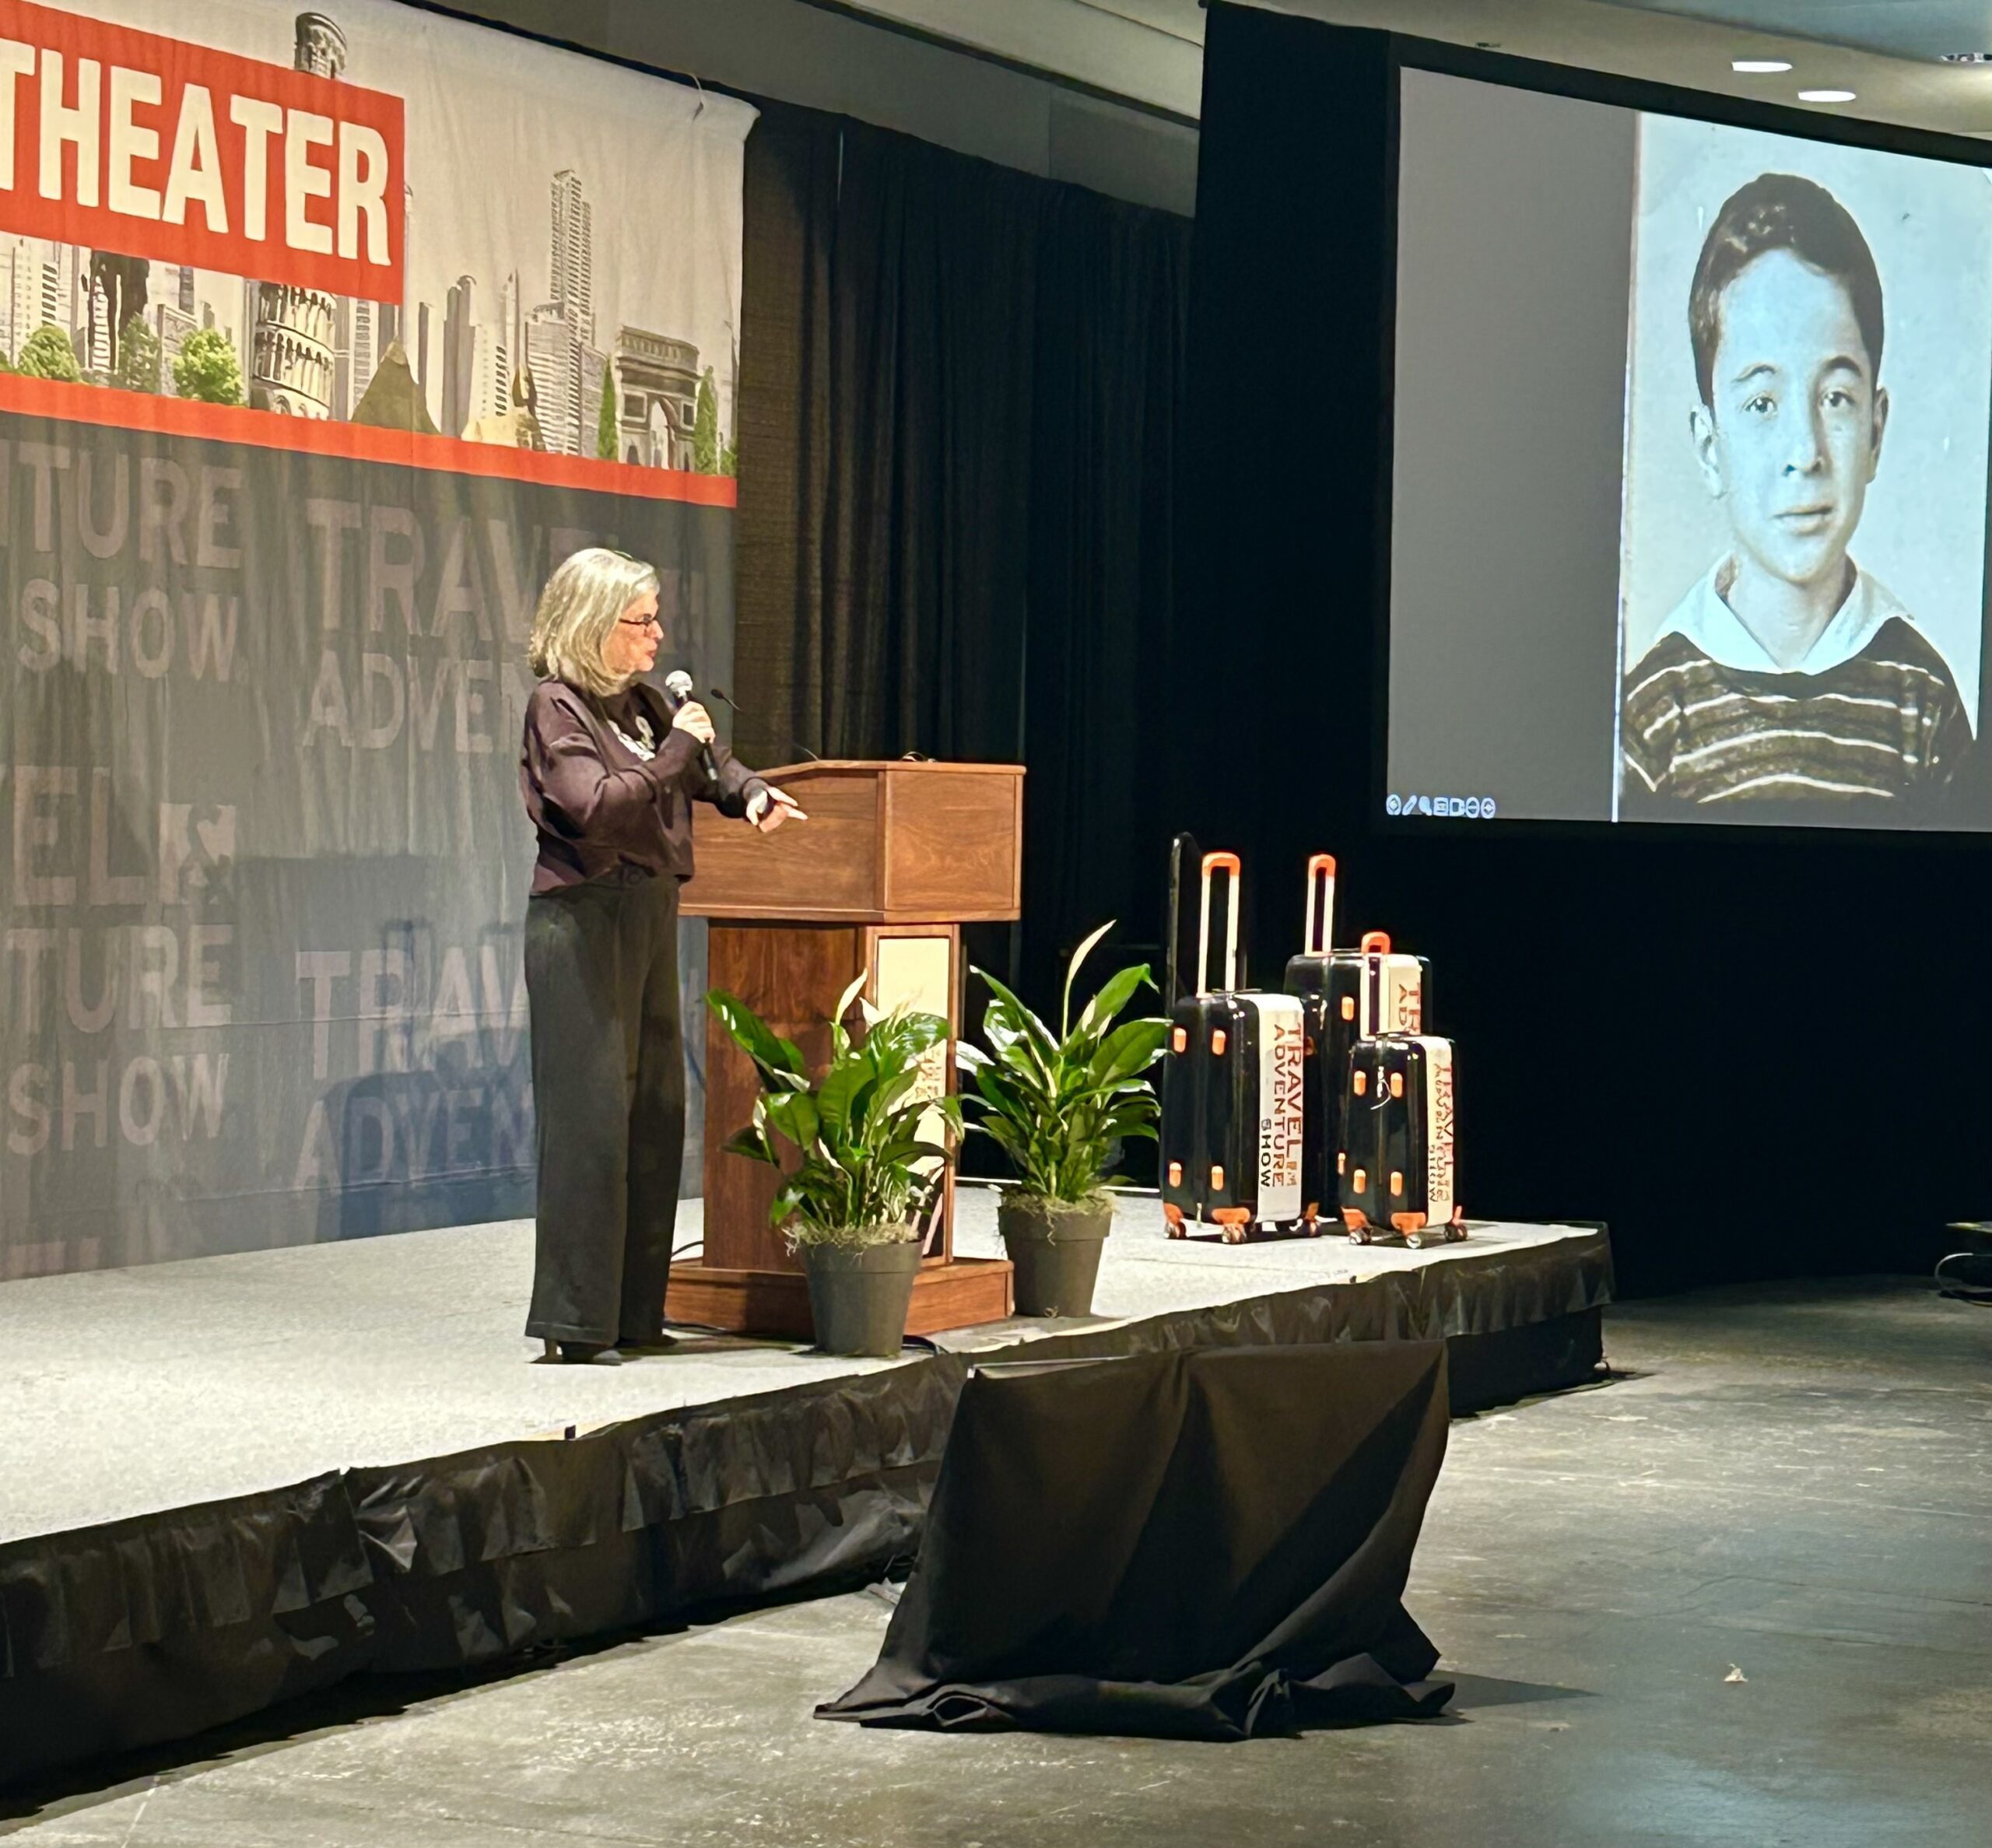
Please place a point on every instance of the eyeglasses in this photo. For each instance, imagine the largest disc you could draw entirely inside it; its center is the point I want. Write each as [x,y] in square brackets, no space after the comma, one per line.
[654,623]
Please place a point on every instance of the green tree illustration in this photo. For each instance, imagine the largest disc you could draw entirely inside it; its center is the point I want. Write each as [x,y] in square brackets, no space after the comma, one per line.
[137,358]
[605,428]
[705,426]
[729,458]
[208,369]
[47,354]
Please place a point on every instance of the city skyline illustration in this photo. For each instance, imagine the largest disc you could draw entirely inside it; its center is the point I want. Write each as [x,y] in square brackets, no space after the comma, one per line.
[517,313]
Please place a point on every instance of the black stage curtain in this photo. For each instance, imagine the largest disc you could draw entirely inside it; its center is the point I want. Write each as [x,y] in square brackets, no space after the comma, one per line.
[1209,1544]
[1285,550]
[960,398]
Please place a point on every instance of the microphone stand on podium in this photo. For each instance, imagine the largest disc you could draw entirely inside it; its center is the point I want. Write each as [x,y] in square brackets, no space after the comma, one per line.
[895,858]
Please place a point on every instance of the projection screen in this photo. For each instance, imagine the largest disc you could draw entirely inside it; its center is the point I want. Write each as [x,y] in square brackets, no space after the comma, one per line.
[1689,471]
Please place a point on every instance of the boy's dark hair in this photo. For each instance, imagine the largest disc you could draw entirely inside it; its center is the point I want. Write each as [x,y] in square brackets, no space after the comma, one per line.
[1781,212]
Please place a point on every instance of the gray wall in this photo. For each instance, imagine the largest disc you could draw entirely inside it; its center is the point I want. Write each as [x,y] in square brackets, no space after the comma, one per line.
[798,53]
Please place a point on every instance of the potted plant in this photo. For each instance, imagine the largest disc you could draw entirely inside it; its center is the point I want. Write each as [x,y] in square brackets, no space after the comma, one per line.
[857,1167]
[1059,1105]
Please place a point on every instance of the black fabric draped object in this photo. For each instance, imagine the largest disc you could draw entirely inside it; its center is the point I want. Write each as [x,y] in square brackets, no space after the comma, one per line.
[1206,1545]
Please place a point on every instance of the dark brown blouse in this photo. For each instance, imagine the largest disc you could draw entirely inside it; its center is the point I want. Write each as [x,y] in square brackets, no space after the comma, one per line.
[597,807]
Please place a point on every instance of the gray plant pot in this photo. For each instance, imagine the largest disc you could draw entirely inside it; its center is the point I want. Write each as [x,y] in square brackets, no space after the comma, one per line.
[1055,1251]
[858,1296]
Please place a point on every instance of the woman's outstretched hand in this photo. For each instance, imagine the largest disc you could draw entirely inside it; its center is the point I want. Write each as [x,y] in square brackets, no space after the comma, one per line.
[780,807]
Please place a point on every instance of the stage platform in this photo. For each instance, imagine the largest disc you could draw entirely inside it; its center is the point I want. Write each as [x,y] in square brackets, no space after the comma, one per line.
[232,1480]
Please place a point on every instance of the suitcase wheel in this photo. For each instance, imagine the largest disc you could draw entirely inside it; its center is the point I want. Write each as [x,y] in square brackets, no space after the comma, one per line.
[1361,1235]
[1173,1215]
[1234,1222]
[1416,1240]
[1310,1222]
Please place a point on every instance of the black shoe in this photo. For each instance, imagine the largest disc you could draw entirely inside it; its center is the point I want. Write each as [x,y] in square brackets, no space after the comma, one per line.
[659,1343]
[582,1354]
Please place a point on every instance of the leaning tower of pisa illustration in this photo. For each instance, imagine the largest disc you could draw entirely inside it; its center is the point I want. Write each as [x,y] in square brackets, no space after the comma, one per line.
[291,366]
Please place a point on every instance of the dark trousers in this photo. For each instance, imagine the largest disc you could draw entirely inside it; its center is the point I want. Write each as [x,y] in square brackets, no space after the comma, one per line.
[609,1089]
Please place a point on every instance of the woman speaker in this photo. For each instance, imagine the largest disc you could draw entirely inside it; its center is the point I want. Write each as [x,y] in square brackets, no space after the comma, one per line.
[609,771]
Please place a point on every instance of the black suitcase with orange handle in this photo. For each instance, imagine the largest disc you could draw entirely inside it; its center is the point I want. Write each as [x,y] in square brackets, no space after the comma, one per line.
[1233,1116]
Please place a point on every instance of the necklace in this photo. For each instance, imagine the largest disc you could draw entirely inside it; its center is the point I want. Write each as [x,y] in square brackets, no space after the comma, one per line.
[643,746]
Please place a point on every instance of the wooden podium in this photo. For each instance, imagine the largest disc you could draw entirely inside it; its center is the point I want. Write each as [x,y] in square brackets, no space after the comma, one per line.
[894,859]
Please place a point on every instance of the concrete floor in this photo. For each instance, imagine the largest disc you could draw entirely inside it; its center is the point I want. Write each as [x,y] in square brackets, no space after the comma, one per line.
[1743,1595]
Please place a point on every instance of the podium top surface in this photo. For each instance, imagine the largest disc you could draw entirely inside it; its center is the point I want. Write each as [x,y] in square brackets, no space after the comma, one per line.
[917,766]
[895,841]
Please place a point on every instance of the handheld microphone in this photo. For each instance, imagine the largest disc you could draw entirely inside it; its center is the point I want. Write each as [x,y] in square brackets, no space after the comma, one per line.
[677,685]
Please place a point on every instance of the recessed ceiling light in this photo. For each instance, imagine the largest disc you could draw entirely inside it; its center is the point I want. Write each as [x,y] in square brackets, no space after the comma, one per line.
[1759,66]
[1825,96]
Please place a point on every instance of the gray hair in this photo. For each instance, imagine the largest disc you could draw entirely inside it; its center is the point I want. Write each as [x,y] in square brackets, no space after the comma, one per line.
[582,603]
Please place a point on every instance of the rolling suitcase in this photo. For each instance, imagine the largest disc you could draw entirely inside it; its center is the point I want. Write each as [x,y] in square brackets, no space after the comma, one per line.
[1394,993]
[1231,1113]
[1399,1164]
[1345,996]
[1328,1029]
[1372,990]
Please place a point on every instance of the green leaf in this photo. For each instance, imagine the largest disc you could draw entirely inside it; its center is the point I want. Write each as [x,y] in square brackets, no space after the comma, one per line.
[1002,1087]
[841,1084]
[918,1031]
[1020,1021]
[753,1035]
[1072,976]
[1034,1075]
[1106,1095]
[1114,994]
[794,1114]
[750,1143]
[892,1091]
[1012,1141]
[840,1040]
[1129,1049]
[849,995]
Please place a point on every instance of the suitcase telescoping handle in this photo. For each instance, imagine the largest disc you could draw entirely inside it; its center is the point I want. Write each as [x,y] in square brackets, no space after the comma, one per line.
[1214,863]
[1321,904]
[1376,947]
[1182,854]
